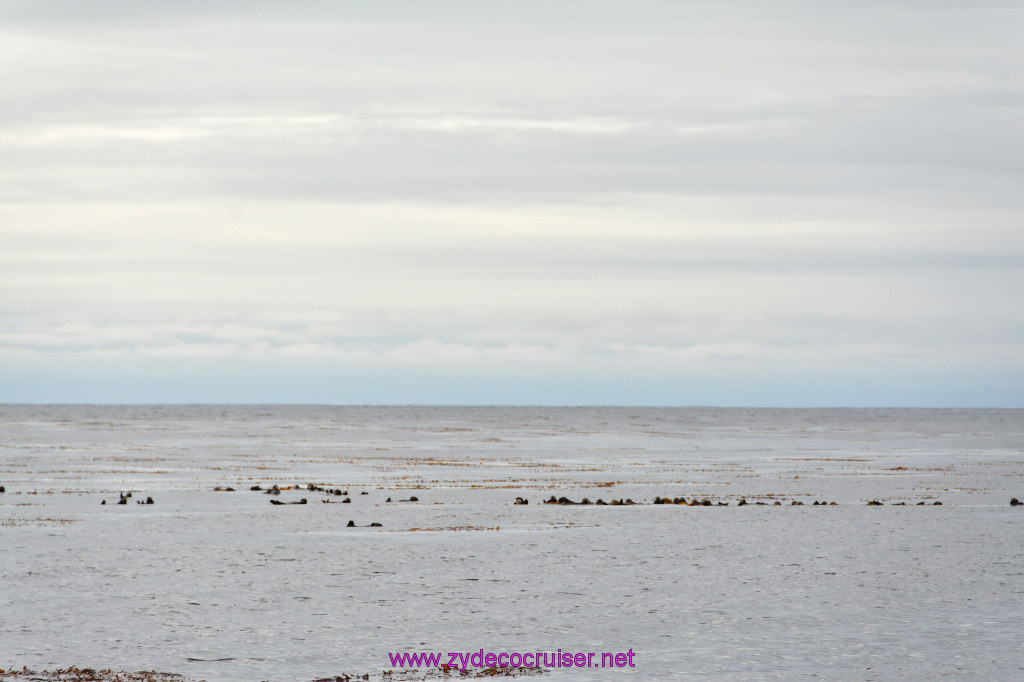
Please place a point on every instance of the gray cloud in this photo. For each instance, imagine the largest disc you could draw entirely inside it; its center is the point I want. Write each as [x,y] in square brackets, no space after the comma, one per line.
[692,188]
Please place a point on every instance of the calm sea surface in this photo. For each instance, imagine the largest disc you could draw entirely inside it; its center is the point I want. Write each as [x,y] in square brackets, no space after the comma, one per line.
[223,585]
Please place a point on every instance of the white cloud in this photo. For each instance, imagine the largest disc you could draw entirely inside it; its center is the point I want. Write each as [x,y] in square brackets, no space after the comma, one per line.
[672,190]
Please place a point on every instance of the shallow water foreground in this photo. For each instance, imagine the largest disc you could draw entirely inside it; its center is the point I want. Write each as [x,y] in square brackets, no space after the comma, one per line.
[223,585]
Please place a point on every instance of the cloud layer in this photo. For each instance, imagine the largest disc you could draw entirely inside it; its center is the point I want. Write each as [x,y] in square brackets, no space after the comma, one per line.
[670,203]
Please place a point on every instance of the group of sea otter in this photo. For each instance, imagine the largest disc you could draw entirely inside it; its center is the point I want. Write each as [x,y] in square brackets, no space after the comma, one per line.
[565,501]
[694,502]
[276,490]
[659,500]
[126,496]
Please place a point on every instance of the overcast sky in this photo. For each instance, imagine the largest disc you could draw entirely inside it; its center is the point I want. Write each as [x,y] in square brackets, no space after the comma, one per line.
[644,202]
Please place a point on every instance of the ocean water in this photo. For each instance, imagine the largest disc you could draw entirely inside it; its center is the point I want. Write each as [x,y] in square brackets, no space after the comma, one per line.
[223,585]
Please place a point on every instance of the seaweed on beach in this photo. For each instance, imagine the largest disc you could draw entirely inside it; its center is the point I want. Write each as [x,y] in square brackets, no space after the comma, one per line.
[76,674]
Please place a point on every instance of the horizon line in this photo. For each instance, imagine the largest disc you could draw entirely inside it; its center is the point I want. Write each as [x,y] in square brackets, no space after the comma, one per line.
[523,405]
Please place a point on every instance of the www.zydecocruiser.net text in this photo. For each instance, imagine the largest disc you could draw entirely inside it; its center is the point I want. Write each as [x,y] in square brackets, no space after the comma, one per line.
[462,660]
